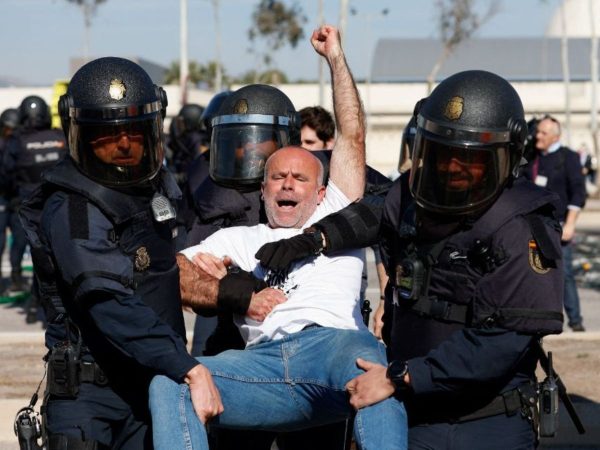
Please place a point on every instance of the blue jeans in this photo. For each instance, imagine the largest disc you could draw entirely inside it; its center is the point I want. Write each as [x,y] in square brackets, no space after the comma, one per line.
[571,299]
[288,384]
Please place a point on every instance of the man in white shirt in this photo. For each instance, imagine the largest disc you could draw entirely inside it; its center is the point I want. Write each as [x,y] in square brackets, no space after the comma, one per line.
[304,332]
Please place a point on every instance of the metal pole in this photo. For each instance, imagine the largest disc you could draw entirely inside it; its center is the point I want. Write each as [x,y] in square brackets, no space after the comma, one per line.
[321,65]
[183,55]
[594,78]
[566,74]
[218,72]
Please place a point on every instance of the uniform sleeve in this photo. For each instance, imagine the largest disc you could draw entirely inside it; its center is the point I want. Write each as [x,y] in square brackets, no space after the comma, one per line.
[468,357]
[136,331]
[92,267]
[575,181]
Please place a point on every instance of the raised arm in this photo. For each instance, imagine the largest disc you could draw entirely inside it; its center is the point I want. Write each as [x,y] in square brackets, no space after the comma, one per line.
[347,169]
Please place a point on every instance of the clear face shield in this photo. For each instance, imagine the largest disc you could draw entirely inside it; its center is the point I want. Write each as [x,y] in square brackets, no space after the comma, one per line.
[457,179]
[239,150]
[118,154]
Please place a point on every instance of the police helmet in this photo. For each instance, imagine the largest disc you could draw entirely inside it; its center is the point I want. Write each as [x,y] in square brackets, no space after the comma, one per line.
[469,143]
[530,146]
[34,113]
[251,124]
[112,115]
[9,118]
[212,109]
[406,145]
[191,117]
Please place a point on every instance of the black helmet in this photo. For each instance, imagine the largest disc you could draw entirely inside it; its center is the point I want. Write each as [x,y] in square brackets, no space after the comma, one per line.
[530,146]
[34,113]
[251,124]
[112,115]
[191,117]
[469,143]
[9,118]
[212,109]
[406,146]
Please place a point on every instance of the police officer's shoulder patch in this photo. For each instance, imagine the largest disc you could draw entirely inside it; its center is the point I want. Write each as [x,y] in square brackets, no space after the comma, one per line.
[536,260]
[142,259]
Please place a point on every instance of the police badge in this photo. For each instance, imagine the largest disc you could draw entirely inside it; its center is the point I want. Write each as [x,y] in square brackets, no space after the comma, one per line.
[116,89]
[142,259]
[454,108]
[536,260]
[241,107]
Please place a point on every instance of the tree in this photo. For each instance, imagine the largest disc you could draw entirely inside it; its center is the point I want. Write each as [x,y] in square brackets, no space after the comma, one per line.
[457,22]
[88,8]
[277,25]
[198,73]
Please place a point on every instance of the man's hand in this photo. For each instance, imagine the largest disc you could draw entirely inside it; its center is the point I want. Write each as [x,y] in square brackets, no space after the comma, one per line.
[198,289]
[212,265]
[371,387]
[326,41]
[263,302]
[568,232]
[205,395]
[378,320]
[279,255]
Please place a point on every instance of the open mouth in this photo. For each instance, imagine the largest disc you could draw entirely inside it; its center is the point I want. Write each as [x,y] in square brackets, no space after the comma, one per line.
[286,204]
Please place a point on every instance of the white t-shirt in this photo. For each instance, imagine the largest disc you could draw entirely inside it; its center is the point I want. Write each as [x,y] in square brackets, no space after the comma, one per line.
[321,290]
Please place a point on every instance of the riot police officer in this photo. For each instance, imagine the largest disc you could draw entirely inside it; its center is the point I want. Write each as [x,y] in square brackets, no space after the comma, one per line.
[9,121]
[34,148]
[101,228]
[186,138]
[475,280]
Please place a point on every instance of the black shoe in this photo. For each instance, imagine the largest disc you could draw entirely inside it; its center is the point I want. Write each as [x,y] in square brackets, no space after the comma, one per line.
[577,327]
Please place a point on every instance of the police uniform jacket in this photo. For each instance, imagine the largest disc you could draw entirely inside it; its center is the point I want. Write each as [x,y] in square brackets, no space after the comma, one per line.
[495,287]
[116,275]
[28,154]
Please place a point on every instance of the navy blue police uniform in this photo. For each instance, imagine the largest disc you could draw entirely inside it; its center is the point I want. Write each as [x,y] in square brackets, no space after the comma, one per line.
[117,280]
[470,343]
[102,229]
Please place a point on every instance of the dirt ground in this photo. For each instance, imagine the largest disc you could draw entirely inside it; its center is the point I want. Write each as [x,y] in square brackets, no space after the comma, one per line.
[577,362]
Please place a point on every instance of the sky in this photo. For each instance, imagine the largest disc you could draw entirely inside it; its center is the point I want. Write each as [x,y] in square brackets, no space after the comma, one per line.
[39,36]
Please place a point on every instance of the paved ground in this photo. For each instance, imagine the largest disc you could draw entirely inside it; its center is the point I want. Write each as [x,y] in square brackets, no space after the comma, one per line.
[22,344]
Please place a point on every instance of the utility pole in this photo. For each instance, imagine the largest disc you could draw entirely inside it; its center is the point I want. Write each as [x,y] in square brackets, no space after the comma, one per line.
[183,52]
[321,65]
[218,71]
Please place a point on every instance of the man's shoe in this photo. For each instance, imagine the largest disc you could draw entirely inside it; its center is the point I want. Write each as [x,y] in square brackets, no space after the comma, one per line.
[577,327]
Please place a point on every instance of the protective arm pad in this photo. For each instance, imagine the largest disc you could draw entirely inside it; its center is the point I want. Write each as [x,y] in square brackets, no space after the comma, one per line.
[236,289]
[355,226]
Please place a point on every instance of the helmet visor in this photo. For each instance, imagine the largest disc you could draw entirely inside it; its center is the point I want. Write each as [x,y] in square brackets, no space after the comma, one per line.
[457,179]
[118,154]
[239,152]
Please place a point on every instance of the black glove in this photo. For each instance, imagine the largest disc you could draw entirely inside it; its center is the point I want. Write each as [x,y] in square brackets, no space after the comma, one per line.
[278,256]
[236,289]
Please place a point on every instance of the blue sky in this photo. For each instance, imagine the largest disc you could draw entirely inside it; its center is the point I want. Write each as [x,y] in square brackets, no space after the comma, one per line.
[39,36]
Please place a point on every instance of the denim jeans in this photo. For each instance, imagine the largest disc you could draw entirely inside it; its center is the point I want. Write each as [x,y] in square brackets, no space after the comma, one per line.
[571,299]
[287,384]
